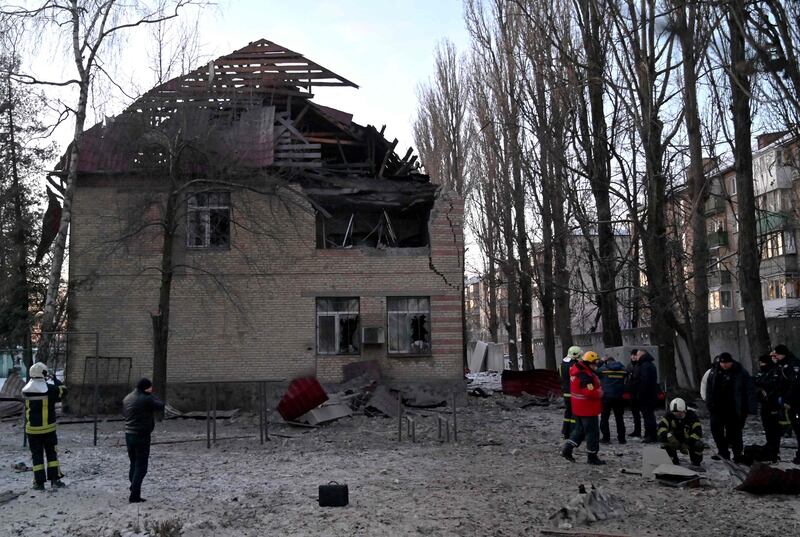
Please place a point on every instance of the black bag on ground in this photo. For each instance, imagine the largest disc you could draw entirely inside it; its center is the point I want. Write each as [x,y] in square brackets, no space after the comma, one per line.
[333,495]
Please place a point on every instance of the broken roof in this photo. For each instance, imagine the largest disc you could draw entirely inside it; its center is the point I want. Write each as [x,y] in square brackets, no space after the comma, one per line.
[252,109]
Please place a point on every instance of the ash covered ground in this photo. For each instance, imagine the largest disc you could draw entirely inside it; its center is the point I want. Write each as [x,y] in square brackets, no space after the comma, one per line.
[504,477]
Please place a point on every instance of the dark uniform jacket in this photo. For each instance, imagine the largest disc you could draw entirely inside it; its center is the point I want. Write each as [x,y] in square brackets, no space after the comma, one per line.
[786,378]
[138,408]
[767,388]
[612,377]
[40,405]
[730,391]
[566,365]
[643,385]
[686,431]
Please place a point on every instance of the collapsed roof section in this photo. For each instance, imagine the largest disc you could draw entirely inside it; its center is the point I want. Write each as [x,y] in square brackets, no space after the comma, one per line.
[252,110]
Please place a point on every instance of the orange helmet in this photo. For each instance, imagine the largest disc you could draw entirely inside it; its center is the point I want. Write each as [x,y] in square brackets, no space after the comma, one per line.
[591,357]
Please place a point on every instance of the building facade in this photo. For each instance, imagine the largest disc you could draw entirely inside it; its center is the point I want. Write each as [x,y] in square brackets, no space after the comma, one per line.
[320,248]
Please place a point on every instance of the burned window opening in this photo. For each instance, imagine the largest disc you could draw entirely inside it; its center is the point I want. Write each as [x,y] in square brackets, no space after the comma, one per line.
[338,326]
[373,228]
[407,325]
[208,220]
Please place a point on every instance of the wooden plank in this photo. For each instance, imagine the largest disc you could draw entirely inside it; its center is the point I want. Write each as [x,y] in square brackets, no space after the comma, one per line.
[291,128]
[309,164]
[281,147]
[298,155]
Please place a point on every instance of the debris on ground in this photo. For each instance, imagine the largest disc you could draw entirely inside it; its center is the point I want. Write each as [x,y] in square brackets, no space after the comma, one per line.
[11,396]
[541,382]
[170,412]
[302,395]
[766,479]
[21,467]
[8,495]
[585,508]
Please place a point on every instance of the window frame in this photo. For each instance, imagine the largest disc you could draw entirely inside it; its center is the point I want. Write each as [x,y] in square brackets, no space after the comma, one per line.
[337,315]
[205,212]
[389,312]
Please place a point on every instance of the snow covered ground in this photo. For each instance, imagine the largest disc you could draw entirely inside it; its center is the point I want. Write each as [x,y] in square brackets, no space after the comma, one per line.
[503,478]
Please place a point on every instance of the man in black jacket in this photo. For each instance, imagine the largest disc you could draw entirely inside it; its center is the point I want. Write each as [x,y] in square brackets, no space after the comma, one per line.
[787,380]
[644,391]
[138,408]
[771,412]
[730,398]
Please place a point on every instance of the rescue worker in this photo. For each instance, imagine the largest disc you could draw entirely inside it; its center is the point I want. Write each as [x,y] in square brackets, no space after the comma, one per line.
[730,398]
[587,397]
[612,378]
[786,377]
[138,408]
[40,425]
[771,413]
[680,430]
[644,392]
[628,395]
[572,357]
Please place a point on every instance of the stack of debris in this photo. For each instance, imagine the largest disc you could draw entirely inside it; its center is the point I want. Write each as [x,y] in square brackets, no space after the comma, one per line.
[585,508]
[307,402]
[11,396]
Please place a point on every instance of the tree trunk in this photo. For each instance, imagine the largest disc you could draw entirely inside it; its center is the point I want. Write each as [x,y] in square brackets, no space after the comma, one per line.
[698,191]
[161,318]
[748,249]
[49,319]
[599,174]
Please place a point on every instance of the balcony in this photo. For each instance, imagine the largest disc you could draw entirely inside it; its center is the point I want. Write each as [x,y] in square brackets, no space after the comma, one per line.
[781,264]
[717,278]
[714,205]
[717,239]
[769,221]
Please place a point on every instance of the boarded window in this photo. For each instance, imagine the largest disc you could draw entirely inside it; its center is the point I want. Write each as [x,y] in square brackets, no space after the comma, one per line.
[208,221]
[408,325]
[337,326]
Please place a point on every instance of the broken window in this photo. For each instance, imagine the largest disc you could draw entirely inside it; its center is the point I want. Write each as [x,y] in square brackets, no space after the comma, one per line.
[408,321]
[208,222]
[337,326]
[373,228]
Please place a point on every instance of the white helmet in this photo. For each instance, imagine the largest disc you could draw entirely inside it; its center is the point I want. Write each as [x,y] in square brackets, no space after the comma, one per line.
[677,405]
[38,370]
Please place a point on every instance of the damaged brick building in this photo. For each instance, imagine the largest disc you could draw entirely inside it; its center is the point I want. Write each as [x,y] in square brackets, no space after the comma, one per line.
[298,241]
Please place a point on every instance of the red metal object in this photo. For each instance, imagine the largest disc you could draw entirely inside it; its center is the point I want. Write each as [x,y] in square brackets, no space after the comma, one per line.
[542,382]
[302,395]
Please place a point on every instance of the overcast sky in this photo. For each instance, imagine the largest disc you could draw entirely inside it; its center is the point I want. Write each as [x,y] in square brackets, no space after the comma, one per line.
[386,47]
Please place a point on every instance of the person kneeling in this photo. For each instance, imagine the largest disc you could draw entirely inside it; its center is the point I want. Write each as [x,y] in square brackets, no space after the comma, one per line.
[680,430]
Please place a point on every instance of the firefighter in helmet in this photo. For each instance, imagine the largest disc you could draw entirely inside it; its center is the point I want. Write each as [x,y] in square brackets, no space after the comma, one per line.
[40,425]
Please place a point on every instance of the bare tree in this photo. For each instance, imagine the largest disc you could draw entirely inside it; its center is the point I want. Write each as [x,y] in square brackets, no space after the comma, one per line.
[92,26]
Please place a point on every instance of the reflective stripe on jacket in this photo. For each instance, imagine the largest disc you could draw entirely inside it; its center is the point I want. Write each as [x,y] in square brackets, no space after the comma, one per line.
[40,408]
[587,394]
[686,431]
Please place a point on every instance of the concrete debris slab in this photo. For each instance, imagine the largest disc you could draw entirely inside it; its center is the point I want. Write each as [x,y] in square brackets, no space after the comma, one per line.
[325,414]
[653,457]
[476,359]
[495,359]
[383,401]
[673,471]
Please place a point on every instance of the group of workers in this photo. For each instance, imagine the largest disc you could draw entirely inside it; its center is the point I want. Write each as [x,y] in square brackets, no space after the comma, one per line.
[41,396]
[594,389]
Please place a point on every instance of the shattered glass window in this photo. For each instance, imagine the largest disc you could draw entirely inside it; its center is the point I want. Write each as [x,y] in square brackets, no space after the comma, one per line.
[337,326]
[408,325]
[208,220]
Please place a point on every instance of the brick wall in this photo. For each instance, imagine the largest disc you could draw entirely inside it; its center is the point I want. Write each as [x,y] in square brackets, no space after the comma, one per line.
[249,312]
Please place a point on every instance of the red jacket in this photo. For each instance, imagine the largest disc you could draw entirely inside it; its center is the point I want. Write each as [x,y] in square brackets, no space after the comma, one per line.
[587,395]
